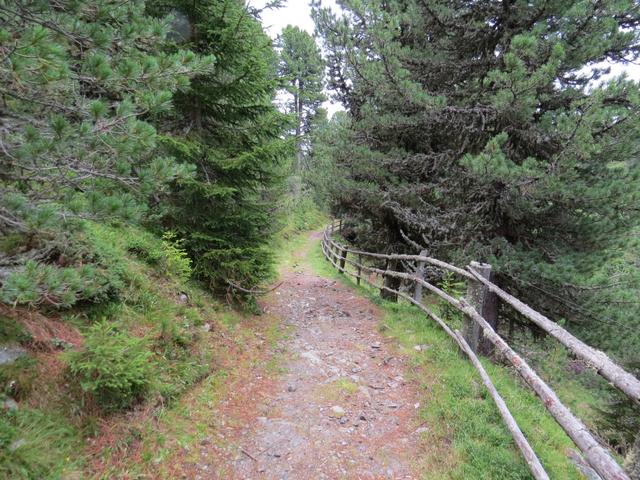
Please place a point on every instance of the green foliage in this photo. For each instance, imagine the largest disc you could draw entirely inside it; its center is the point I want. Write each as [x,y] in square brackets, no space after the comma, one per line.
[17,378]
[302,214]
[12,331]
[84,86]
[168,256]
[301,72]
[225,213]
[176,258]
[36,445]
[620,416]
[81,266]
[36,284]
[451,285]
[113,368]
[103,150]
[496,144]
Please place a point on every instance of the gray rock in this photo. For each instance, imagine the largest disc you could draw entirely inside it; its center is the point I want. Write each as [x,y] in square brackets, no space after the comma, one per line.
[337,412]
[10,353]
[10,404]
[312,357]
[17,444]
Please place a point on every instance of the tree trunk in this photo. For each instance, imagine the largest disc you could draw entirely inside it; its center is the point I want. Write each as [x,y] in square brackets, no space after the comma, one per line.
[392,283]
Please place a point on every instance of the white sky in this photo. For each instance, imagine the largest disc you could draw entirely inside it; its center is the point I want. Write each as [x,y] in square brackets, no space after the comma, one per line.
[298,12]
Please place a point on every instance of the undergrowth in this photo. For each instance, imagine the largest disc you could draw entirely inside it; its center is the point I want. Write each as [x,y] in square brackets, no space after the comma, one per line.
[144,342]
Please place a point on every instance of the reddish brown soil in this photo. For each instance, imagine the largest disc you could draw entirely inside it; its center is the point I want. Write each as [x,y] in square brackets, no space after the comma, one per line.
[41,328]
[288,427]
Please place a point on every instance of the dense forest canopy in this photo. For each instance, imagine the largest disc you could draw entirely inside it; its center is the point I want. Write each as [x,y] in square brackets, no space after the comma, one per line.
[150,174]
[480,130]
[155,112]
[84,88]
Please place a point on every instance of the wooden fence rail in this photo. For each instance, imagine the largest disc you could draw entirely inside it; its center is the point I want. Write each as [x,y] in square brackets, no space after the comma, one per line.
[594,453]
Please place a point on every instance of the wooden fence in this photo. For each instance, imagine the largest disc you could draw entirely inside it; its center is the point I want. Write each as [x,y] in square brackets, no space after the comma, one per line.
[479,335]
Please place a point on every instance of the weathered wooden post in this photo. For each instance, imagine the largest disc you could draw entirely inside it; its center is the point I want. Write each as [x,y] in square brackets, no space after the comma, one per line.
[486,304]
[359,268]
[391,283]
[420,271]
[343,259]
[632,462]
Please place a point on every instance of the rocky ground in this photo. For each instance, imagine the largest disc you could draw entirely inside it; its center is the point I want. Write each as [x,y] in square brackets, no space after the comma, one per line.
[341,408]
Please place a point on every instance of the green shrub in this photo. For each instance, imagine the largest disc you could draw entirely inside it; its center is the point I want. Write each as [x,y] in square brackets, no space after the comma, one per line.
[178,263]
[83,265]
[37,284]
[12,331]
[113,369]
[167,255]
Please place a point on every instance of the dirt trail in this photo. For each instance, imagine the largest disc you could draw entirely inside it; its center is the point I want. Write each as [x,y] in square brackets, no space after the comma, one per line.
[342,409]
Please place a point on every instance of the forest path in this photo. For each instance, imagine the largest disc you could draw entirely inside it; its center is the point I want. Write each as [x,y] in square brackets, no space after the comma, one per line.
[339,407]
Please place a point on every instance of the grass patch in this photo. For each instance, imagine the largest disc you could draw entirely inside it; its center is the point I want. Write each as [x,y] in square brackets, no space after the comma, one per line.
[465,435]
[37,445]
[337,390]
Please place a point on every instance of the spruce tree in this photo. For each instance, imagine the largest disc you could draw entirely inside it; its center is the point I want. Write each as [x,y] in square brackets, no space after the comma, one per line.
[228,127]
[481,130]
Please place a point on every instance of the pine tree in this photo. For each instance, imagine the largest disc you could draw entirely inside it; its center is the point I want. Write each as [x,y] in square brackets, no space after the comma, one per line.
[478,132]
[228,126]
[301,69]
[82,83]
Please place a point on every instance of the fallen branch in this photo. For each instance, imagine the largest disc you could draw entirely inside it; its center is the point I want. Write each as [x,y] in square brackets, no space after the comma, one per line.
[248,455]
[253,291]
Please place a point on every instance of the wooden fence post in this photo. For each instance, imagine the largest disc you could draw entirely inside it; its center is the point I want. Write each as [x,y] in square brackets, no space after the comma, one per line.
[392,283]
[359,269]
[420,271]
[486,304]
[343,259]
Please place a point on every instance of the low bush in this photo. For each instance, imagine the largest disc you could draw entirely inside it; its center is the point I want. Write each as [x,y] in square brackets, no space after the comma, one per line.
[114,369]
[71,267]
[177,261]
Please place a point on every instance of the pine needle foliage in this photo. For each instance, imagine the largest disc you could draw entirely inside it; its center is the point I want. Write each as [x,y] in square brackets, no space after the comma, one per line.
[484,130]
[82,84]
[228,127]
